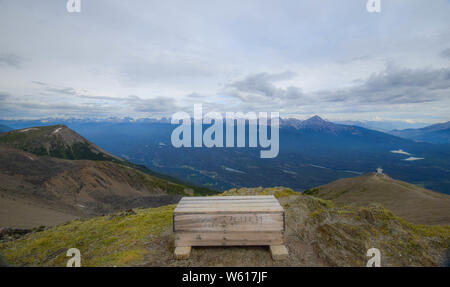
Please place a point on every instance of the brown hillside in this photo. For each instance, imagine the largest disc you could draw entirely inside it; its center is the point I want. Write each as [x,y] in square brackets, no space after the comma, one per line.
[413,203]
[47,191]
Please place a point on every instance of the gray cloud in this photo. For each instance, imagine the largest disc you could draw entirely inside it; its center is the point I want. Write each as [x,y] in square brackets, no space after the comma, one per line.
[65,91]
[195,96]
[392,86]
[177,52]
[158,105]
[79,105]
[35,109]
[50,90]
[4,96]
[10,60]
[396,86]
[355,59]
[446,53]
[166,66]
[57,90]
[39,83]
[106,98]
[261,86]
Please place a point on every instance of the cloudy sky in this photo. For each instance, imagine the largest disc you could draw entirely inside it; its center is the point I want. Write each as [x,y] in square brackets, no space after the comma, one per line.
[153,58]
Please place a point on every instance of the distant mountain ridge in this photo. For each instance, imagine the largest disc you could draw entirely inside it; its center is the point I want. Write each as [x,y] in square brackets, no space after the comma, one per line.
[312,152]
[437,133]
[382,126]
[4,128]
[375,125]
[317,124]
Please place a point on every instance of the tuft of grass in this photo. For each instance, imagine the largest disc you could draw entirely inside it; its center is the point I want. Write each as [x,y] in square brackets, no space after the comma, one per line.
[326,203]
[117,240]
[312,192]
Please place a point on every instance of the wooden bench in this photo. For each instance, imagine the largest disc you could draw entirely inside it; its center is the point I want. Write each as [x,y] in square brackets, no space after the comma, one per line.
[229,221]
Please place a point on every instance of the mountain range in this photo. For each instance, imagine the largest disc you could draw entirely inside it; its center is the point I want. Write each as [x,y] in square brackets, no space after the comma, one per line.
[4,128]
[384,126]
[312,153]
[438,133]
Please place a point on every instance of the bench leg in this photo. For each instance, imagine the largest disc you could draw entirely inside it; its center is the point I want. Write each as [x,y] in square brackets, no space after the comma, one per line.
[182,252]
[279,252]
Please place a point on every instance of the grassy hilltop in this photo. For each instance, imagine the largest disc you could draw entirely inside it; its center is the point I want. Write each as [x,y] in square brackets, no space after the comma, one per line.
[317,234]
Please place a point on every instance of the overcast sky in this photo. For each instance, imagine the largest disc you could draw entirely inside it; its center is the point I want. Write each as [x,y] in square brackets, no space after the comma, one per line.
[153,58]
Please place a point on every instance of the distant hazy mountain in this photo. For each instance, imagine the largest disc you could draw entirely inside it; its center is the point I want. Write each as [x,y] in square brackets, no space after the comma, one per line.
[20,124]
[316,123]
[4,128]
[438,133]
[411,202]
[383,126]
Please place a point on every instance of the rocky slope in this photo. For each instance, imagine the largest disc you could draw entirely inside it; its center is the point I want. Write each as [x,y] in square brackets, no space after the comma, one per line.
[317,234]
